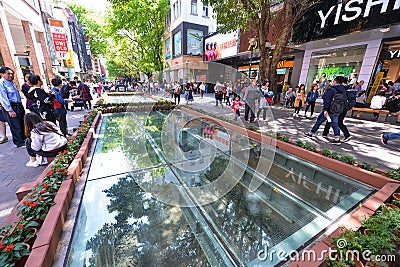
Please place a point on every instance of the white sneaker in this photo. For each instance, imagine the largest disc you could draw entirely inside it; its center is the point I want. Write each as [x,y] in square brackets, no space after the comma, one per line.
[32,164]
[44,161]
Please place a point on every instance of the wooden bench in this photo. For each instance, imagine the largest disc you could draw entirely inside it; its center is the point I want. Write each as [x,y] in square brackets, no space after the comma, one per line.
[370,110]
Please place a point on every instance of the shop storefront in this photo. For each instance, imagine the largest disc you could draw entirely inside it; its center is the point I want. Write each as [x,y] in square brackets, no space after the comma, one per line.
[348,38]
[327,64]
[284,70]
[389,60]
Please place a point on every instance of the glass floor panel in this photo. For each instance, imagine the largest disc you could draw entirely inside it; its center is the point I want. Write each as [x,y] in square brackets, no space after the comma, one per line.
[144,165]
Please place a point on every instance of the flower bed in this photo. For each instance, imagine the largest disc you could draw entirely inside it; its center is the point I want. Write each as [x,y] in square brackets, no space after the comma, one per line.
[132,107]
[124,93]
[378,235]
[39,207]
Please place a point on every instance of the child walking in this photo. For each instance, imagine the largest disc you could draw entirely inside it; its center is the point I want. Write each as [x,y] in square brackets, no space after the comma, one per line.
[236,104]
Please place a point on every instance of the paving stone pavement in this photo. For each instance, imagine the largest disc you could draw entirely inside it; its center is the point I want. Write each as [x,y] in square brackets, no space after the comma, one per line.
[13,171]
[365,144]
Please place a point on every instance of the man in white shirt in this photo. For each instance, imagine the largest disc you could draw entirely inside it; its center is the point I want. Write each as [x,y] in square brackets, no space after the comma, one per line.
[377,102]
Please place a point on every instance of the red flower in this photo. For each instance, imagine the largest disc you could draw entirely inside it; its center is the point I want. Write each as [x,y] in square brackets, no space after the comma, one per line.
[1,245]
[41,198]
[65,173]
[34,204]
[21,226]
[46,185]
[43,191]
[9,248]
[50,173]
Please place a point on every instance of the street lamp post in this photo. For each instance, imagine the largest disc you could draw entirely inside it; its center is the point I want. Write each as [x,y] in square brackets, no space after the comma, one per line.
[252,42]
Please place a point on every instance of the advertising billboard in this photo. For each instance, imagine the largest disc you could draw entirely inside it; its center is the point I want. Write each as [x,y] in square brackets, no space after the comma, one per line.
[178,43]
[194,42]
[221,46]
[168,48]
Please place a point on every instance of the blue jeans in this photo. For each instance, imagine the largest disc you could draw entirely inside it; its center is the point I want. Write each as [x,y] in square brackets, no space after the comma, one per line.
[392,136]
[321,119]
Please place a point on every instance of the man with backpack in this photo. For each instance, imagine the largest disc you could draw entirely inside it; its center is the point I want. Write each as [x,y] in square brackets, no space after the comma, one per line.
[334,104]
[351,95]
[65,91]
[393,104]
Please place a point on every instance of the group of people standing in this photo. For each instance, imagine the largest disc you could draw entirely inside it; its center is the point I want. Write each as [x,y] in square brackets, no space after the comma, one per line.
[186,91]
[37,129]
[256,97]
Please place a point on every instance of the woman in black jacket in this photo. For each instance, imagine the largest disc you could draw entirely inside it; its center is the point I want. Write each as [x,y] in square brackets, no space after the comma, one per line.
[43,100]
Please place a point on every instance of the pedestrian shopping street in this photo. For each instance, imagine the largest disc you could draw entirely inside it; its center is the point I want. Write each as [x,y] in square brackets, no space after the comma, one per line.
[199,133]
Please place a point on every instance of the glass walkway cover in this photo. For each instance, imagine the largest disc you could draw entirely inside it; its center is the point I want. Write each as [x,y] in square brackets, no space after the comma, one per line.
[144,203]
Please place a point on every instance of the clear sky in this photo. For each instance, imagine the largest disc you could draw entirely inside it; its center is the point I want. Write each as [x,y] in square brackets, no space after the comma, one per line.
[95,5]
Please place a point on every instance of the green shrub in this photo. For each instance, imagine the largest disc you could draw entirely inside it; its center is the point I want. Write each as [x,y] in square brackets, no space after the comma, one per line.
[299,143]
[348,159]
[326,152]
[366,166]
[336,155]
[285,139]
[394,174]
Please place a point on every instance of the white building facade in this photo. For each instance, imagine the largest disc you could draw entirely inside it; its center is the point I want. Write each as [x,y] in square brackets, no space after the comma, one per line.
[185,27]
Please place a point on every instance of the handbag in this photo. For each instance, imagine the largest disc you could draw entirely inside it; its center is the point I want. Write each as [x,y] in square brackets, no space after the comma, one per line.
[56,104]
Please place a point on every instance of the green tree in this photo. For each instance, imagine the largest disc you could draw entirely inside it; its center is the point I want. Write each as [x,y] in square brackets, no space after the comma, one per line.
[94,28]
[121,59]
[258,16]
[142,23]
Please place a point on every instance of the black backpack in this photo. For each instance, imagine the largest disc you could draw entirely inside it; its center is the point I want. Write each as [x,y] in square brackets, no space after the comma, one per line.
[393,104]
[65,91]
[338,103]
[351,98]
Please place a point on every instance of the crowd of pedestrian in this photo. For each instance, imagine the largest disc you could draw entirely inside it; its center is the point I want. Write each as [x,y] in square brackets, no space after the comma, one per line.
[41,127]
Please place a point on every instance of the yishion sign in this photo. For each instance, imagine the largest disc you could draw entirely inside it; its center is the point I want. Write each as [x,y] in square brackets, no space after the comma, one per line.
[329,18]
[353,9]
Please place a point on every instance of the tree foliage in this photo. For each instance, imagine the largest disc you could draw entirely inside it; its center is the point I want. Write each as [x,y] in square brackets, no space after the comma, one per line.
[140,22]
[121,59]
[94,28]
[259,16]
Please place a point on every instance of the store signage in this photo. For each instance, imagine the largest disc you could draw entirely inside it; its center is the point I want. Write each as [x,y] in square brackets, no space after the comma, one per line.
[352,10]
[375,87]
[285,64]
[221,46]
[70,62]
[58,34]
[394,54]
[281,71]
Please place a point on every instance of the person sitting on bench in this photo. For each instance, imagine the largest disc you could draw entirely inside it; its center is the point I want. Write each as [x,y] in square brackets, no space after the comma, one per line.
[361,101]
[377,102]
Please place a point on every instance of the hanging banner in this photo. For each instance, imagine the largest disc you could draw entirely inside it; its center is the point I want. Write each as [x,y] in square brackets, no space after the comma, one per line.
[59,39]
